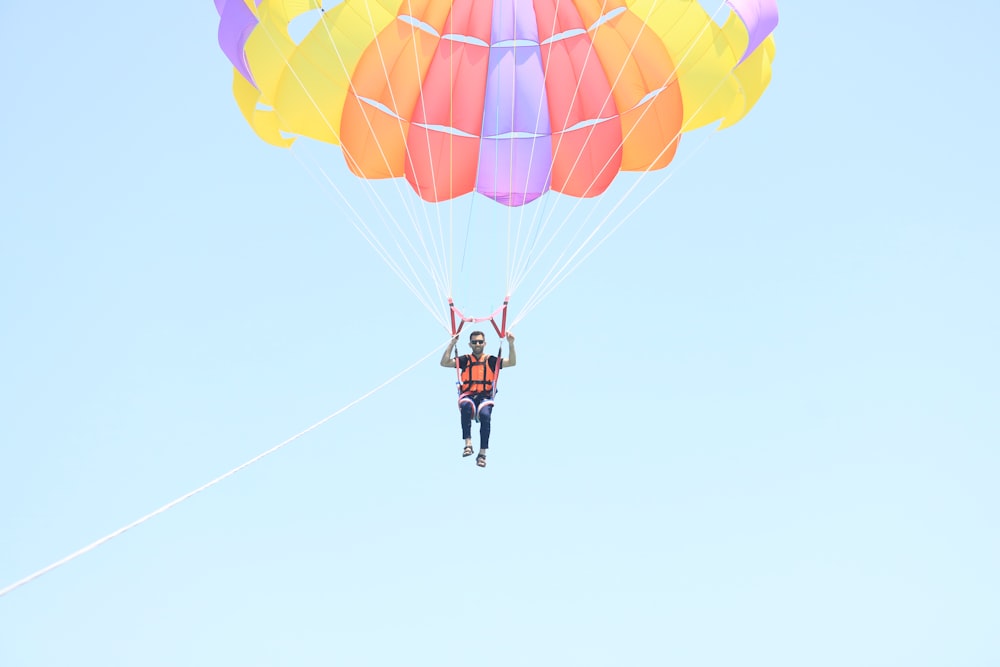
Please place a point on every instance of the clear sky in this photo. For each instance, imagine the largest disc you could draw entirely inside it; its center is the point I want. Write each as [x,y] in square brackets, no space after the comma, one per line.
[759,427]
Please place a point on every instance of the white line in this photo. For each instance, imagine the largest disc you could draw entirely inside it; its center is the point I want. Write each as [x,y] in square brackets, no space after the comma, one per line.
[178,501]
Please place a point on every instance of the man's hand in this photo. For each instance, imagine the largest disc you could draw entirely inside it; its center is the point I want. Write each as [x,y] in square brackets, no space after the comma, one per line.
[446,359]
[511,360]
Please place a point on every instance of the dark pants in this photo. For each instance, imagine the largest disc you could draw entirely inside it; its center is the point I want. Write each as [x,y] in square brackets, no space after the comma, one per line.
[484,405]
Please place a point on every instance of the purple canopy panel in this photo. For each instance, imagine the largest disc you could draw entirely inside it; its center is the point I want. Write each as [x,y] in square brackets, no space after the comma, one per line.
[509,175]
[759,16]
[516,151]
[236,22]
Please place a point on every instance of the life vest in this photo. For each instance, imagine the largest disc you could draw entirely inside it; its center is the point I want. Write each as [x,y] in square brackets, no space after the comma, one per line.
[478,377]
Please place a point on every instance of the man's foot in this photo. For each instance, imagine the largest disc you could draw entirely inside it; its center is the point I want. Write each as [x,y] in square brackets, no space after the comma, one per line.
[481,460]
[467,451]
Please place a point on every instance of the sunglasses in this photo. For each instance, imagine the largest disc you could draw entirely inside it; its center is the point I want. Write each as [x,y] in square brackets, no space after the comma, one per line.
[477,342]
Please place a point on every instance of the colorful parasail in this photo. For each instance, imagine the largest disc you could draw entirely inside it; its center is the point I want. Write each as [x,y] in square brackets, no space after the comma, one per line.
[506,98]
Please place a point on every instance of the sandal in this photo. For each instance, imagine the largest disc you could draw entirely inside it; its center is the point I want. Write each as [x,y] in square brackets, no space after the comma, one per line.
[467,451]
[481,460]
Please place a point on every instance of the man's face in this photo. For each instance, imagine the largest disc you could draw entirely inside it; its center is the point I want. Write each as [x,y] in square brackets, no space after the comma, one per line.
[477,343]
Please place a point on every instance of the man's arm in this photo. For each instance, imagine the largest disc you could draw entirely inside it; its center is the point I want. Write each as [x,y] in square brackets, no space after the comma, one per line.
[510,361]
[446,359]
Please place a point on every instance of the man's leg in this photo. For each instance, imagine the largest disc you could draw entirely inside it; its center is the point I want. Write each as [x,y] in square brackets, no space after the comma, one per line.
[468,409]
[485,415]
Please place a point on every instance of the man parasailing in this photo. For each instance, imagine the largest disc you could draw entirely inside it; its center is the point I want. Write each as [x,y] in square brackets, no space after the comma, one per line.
[477,376]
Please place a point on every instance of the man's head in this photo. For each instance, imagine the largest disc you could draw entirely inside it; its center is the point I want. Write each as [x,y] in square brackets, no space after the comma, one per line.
[477,341]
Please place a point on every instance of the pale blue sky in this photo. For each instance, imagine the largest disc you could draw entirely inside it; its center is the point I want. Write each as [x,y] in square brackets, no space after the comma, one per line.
[758,427]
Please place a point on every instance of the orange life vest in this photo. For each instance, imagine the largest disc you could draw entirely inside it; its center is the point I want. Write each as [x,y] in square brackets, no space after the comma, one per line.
[478,377]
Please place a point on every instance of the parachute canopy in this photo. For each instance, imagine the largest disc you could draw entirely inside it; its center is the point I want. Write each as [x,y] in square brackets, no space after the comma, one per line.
[507,98]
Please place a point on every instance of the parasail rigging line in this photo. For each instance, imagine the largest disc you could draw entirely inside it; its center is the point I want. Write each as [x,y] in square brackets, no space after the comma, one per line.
[571,245]
[438,275]
[561,269]
[564,272]
[356,220]
[560,272]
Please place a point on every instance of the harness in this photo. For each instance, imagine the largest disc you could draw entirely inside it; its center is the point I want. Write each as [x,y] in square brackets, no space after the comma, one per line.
[477,379]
